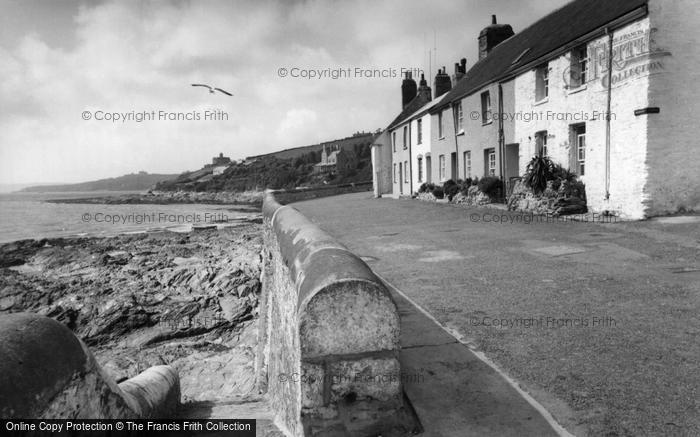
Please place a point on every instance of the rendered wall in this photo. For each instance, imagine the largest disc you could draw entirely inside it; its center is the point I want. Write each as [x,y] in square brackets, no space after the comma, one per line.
[673,157]
[567,106]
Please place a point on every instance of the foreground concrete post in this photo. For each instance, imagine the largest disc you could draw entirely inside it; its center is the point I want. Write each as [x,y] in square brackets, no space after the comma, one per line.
[330,338]
[47,372]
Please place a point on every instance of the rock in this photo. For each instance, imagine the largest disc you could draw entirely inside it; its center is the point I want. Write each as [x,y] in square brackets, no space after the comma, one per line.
[120,294]
[232,308]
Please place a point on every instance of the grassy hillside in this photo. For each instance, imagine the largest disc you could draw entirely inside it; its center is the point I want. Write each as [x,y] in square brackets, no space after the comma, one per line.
[347,144]
[131,182]
[271,171]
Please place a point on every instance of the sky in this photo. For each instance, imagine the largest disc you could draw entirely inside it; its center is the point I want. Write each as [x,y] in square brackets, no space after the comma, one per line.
[77,76]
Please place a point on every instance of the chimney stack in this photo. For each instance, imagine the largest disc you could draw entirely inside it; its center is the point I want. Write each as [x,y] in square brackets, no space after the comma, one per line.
[442,82]
[424,91]
[460,71]
[493,35]
[408,89]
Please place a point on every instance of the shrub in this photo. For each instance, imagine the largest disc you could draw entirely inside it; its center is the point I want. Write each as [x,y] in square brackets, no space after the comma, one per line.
[539,171]
[492,186]
[448,183]
[464,186]
[475,181]
[426,187]
[438,192]
[450,189]
[563,174]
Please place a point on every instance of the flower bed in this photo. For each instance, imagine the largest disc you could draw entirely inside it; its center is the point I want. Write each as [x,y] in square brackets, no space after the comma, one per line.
[468,192]
[548,188]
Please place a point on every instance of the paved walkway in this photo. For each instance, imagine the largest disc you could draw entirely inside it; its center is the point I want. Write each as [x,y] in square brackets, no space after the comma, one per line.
[453,392]
[466,266]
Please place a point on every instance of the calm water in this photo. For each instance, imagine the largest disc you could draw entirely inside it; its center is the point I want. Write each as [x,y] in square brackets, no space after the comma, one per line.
[26,215]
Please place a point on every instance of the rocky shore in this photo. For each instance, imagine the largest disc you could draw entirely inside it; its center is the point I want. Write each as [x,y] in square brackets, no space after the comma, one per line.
[188,300]
[253,198]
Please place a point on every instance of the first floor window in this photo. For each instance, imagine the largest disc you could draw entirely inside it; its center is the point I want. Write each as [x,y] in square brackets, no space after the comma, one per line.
[485,107]
[467,165]
[393,140]
[460,118]
[542,82]
[405,135]
[419,131]
[578,67]
[492,163]
[441,161]
[541,143]
[441,132]
[405,171]
[420,169]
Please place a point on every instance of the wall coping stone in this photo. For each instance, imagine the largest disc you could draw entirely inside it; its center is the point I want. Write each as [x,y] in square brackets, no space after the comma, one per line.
[48,372]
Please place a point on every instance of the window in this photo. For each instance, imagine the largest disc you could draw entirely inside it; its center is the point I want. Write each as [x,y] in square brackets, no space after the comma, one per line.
[405,171]
[467,165]
[460,118]
[441,133]
[541,143]
[395,179]
[393,141]
[578,69]
[405,134]
[579,136]
[485,107]
[542,82]
[441,171]
[420,169]
[419,131]
[492,163]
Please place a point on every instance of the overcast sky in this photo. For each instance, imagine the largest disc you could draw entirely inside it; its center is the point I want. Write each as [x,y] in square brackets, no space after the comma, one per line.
[59,59]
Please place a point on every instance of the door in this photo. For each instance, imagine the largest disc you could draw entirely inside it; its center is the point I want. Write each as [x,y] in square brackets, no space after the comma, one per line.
[428,170]
[400,178]
[453,163]
[512,166]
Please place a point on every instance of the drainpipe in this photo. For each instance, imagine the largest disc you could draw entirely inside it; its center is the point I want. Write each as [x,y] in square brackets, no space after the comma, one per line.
[501,139]
[410,160]
[454,128]
[607,115]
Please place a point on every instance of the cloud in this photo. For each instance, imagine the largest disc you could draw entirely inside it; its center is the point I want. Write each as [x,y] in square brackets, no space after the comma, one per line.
[295,124]
[116,56]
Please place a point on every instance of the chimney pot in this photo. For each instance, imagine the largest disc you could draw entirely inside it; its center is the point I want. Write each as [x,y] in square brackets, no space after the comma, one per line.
[493,19]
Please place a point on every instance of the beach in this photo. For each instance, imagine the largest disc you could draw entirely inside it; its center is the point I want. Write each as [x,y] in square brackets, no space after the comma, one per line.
[187,299]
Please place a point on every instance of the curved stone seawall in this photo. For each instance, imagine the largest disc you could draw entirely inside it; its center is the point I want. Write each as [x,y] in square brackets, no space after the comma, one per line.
[329,334]
[47,372]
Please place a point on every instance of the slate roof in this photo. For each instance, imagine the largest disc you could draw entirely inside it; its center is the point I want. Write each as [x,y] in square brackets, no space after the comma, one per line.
[414,105]
[558,29]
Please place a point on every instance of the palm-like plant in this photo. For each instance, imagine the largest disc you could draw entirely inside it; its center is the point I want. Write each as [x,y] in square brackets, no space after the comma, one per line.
[539,171]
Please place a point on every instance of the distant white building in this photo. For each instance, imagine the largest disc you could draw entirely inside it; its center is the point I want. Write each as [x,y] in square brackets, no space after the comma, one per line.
[219,170]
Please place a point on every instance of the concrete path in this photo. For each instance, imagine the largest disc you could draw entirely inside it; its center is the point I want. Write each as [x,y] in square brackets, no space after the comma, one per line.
[453,392]
[466,266]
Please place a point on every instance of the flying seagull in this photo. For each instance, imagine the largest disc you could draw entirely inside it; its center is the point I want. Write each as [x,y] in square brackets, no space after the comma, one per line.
[211,90]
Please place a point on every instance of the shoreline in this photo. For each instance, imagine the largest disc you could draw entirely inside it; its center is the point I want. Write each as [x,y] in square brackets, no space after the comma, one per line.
[137,300]
[250,198]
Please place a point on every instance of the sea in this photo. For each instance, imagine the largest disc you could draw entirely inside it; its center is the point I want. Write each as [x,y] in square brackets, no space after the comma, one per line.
[30,216]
